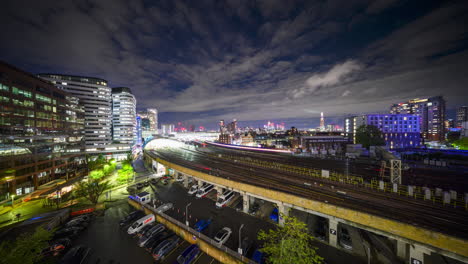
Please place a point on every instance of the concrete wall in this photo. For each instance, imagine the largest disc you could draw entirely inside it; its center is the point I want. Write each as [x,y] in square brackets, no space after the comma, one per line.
[193,238]
[438,242]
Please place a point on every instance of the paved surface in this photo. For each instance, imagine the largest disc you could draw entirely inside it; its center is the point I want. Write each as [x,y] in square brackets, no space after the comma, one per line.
[229,217]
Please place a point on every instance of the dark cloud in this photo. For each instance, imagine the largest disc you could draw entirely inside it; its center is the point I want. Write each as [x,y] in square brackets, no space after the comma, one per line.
[200,61]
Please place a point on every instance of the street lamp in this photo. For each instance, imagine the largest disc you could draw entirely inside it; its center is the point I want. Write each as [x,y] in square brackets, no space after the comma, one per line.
[240,241]
[186,214]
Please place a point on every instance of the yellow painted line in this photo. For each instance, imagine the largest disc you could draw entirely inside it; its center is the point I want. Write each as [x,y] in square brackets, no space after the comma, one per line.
[212,261]
[175,249]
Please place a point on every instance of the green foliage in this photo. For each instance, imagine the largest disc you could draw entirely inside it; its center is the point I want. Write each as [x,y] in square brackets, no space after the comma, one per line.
[369,135]
[26,249]
[96,174]
[91,190]
[126,173]
[462,143]
[96,162]
[290,243]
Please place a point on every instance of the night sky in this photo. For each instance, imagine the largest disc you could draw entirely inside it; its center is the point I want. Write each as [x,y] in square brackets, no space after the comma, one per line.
[201,61]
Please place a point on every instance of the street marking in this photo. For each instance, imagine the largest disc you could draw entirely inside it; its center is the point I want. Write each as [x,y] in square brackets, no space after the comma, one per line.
[198,258]
[212,260]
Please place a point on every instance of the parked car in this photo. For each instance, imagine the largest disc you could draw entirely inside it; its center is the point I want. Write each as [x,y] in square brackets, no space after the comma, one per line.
[153,231]
[239,206]
[68,232]
[274,215]
[146,183]
[193,190]
[75,255]
[140,185]
[189,255]
[163,208]
[180,179]
[156,239]
[204,190]
[165,181]
[130,217]
[202,224]
[154,181]
[246,244]
[223,235]
[254,208]
[345,239]
[165,247]
[143,231]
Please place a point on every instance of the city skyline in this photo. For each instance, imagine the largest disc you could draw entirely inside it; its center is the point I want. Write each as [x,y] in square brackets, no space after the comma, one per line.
[255,62]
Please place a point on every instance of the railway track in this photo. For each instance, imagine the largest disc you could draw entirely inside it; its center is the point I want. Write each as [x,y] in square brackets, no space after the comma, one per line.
[413,212]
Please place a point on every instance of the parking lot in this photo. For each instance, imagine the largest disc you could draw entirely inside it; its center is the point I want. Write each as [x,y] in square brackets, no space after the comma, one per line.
[204,208]
[111,244]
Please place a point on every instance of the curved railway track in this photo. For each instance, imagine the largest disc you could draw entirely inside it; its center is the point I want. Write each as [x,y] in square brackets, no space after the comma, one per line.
[410,211]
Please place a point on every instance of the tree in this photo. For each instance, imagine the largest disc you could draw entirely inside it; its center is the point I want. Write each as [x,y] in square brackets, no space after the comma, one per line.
[369,135]
[91,190]
[26,248]
[290,243]
[96,174]
[125,173]
[462,143]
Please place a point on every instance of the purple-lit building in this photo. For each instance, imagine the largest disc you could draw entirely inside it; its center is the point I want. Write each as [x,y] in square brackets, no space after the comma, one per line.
[399,130]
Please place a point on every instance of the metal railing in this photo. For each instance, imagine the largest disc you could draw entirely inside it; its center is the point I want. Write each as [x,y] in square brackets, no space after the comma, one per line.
[436,197]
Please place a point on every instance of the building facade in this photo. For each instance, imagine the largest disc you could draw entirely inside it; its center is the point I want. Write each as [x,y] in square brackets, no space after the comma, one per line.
[123,116]
[431,112]
[398,130]
[41,132]
[149,122]
[462,115]
[167,129]
[96,97]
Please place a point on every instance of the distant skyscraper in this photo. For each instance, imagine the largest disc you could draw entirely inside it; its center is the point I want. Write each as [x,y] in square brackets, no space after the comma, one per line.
[322,122]
[462,115]
[167,129]
[96,97]
[124,115]
[153,118]
[432,113]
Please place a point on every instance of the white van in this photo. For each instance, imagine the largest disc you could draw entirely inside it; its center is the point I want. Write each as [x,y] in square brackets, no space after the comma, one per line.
[204,190]
[224,199]
[140,223]
[193,189]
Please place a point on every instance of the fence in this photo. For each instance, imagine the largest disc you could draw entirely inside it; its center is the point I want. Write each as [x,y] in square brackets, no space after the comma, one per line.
[435,196]
[210,246]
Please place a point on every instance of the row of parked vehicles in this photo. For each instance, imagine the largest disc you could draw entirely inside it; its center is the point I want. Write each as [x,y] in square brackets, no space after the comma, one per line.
[155,238]
[61,244]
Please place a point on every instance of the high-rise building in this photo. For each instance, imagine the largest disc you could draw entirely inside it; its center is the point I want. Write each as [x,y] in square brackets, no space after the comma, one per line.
[398,130]
[96,97]
[322,122]
[41,132]
[149,122]
[167,129]
[462,115]
[432,113]
[153,118]
[123,116]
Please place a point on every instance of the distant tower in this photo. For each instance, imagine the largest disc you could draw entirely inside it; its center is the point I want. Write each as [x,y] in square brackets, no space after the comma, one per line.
[322,122]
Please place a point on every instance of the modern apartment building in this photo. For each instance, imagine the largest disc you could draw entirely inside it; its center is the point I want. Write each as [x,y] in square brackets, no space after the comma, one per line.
[398,130]
[431,112]
[149,122]
[123,116]
[462,115]
[41,132]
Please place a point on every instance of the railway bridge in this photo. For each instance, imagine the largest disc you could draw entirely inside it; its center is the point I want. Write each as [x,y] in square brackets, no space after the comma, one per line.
[419,227]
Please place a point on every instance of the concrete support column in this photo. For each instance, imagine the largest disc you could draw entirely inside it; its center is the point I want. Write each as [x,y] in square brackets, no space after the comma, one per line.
[200,183]
[401,249]
[246,202]
[332,232]
[185,180]
[416,254]
[282,210]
